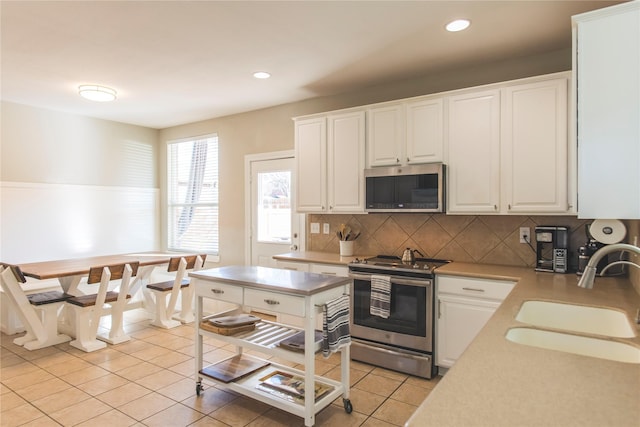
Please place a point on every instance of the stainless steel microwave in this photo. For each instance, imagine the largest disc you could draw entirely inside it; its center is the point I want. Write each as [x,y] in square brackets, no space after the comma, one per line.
[418,188]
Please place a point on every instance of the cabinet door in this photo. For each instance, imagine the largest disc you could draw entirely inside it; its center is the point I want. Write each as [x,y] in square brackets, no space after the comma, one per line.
[459,321]
[346,144]
[425,137]
[385,137]
[311,162]
[534,147]
[608,81]
[473,152]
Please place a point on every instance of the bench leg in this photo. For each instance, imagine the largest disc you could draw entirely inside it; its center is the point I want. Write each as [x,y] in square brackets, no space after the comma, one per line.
[161,319]
[85,332]
[116,332]
[49,316]
[186,306]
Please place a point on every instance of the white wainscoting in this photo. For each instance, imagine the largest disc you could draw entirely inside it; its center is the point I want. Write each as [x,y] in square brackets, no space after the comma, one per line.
[40,222]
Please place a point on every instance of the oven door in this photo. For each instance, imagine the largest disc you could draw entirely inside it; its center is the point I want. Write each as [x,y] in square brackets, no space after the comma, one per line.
[410,323]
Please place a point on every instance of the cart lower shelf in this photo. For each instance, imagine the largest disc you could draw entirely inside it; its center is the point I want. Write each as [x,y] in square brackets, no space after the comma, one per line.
[249,386]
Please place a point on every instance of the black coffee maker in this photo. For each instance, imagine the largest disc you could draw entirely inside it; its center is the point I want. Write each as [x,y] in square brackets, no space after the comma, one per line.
[552,248]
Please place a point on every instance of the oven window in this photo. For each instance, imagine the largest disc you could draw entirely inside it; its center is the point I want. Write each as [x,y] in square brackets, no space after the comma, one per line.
[408,314]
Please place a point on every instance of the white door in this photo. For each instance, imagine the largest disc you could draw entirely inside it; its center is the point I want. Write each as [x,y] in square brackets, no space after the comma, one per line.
[274,225]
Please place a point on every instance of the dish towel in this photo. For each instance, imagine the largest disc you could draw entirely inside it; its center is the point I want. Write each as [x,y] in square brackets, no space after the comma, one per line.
[380,304]
[335,325]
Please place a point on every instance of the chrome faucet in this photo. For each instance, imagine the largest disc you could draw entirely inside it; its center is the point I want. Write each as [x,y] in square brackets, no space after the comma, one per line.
[589,274]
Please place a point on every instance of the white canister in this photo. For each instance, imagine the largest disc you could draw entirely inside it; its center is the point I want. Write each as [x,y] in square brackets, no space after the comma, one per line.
[346,247]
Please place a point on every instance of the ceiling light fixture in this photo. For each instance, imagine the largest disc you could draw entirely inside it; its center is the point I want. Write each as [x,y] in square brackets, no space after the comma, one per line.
[458,25]
[261,75]
[97,93]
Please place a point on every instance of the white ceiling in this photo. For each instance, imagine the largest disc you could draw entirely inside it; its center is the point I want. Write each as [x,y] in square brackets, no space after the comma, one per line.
[175,62]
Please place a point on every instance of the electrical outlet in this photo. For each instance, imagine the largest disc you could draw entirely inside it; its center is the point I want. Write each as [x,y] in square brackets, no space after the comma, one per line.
[525,234]
[325,228]
[315,228]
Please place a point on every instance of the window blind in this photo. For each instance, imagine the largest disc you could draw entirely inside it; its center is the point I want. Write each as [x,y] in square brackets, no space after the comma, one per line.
[192,198]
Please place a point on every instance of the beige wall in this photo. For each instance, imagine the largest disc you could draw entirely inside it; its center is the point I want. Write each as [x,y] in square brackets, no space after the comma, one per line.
[271,129]
[44,146]
[75,186]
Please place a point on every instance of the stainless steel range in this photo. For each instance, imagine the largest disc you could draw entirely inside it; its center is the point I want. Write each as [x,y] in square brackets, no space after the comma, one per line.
[403,340]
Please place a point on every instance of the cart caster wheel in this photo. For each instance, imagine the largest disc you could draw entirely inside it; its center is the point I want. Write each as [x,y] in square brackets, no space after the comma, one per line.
[198,389]
[348,408]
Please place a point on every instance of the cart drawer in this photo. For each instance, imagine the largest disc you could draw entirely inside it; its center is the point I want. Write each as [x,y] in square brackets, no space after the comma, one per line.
[271,301]
[218,291]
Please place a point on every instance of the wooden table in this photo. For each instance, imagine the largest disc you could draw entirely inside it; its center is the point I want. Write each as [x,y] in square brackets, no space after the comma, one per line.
[70,272]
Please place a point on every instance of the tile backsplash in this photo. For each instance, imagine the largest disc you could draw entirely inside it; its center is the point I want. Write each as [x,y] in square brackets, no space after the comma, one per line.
[464,238]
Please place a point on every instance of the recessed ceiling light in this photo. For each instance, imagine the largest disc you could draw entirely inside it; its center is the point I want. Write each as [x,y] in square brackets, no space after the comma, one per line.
[261,75]
[458,25]
[97,93]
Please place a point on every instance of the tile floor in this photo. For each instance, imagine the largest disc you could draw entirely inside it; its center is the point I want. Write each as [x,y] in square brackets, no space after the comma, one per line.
[148,381]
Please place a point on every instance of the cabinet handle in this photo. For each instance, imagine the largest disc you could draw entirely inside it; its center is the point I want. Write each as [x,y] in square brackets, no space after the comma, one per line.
[290,268]
[439,311]
[408,160]
[397,160]
[473,289]
[495,207]
[328,272]
[272,302]
[217,291]
[509,206]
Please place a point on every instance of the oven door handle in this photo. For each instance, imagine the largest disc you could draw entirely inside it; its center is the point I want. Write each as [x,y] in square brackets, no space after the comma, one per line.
[395,280]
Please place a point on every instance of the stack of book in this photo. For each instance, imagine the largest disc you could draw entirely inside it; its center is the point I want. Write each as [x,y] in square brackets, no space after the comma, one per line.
[290,387]
[230,325]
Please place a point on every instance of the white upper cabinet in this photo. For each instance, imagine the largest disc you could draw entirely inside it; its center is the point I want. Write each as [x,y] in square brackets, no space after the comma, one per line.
[534,147]
[425,127]
[474,152]
[508,150]
[405,133]
[607,63]
[385,139]
[346,145]
[507,146]
[330,163]
[311,164]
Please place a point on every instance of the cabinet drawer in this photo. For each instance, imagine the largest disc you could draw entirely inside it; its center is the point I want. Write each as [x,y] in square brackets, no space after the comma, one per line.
[292,265]
[218,291]
[271,301]
[332,270]
[474,287]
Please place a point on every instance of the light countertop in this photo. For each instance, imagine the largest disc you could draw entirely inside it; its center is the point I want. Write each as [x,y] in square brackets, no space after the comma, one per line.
[500,383]
[272,279]
[319,257]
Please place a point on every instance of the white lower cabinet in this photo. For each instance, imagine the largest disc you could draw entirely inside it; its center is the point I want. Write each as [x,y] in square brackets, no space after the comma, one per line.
[464,306]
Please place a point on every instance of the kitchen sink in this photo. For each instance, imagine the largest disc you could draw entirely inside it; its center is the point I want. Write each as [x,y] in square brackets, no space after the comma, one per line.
[576,318]
[576,344]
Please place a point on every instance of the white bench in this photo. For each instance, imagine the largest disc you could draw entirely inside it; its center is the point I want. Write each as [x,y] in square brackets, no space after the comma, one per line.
[10,323]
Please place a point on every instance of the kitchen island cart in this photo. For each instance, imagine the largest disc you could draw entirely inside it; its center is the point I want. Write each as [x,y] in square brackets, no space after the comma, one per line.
[280,291]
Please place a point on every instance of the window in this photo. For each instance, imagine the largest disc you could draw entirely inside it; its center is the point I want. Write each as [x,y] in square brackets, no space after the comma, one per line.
[192,198]
[274,207]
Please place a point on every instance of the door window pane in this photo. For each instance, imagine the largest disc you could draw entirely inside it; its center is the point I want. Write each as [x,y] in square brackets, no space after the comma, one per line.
[274,207]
